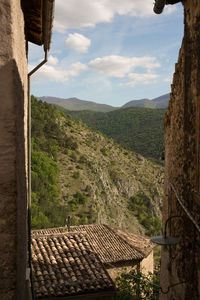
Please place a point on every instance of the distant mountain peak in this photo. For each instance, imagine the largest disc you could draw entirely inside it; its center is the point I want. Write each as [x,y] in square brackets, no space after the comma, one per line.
[159,102]
[76,104]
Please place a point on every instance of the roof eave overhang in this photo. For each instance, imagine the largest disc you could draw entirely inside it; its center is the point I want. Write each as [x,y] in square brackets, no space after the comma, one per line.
[172,1]
[38,16]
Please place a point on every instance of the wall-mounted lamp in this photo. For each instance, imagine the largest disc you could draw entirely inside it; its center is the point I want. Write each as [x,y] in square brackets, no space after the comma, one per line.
[165,240]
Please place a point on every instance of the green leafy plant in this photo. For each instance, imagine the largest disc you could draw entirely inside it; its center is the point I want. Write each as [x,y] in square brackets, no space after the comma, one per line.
[134,285]
[70,143]
[104,151]
[76,175]
[83,220]
[73,157]
[81,198]
[83,159]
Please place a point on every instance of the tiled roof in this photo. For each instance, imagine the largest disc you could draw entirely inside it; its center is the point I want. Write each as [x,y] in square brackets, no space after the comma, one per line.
[142,244]
[66,265]
[111,244]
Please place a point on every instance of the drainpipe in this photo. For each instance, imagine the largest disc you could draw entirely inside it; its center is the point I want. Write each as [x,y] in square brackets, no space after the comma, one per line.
[47,30]
[29,166]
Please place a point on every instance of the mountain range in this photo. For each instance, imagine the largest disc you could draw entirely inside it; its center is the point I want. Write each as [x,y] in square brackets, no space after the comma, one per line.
[75,104]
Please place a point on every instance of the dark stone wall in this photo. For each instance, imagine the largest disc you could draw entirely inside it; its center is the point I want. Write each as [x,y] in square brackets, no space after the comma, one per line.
[13,153]
[181,263]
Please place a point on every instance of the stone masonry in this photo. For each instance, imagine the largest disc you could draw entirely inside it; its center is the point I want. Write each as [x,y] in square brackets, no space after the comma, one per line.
[13,152]
[181,263]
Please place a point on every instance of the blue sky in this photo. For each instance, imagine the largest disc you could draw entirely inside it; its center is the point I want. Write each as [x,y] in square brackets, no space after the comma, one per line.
[109,51]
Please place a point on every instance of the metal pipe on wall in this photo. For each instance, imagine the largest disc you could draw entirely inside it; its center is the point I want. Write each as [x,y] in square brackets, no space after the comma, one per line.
[29,165]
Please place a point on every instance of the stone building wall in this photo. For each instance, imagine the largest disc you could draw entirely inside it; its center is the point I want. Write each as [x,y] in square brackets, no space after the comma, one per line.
[13,135]
[115,271]
[146,266]
[107,295]
[181,263]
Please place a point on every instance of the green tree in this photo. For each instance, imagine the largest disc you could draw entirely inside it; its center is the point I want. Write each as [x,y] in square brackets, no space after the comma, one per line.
[134,285]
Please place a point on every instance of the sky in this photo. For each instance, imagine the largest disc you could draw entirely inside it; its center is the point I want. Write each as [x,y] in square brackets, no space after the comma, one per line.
[109,51]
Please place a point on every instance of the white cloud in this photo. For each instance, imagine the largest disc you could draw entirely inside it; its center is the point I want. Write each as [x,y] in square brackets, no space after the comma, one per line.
[120,66]
[167,79]
[138,8]
[87,13]
[108,66]
[136,78]
[78,42]
[169,9]
[56,51]
[76,68]
[58,74]
[79,14]
[52,60]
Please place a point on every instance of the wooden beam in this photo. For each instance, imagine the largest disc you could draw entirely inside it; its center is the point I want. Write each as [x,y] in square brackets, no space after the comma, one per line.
[172,1]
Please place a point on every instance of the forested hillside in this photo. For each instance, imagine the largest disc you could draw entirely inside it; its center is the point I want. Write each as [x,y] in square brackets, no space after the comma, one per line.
[80,173]
[138,129]
[47,139]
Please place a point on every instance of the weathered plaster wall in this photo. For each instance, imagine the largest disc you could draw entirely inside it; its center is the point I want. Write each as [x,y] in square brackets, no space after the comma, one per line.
[181,263]
[115,271]
[13,183]
[147,264]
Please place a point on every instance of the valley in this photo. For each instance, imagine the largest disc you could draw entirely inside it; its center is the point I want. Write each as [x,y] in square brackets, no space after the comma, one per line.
[80,173]
[137,129]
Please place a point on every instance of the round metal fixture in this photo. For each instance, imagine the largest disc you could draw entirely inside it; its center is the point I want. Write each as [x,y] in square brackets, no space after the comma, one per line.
[164,239]
[161,240]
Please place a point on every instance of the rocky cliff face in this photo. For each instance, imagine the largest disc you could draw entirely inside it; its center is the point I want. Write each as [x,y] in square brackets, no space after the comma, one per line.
[181,263]
[101,182]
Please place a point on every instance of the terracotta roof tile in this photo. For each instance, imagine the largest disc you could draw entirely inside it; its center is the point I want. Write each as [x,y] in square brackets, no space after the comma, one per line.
[65,264]
[140,243]
[112,245]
